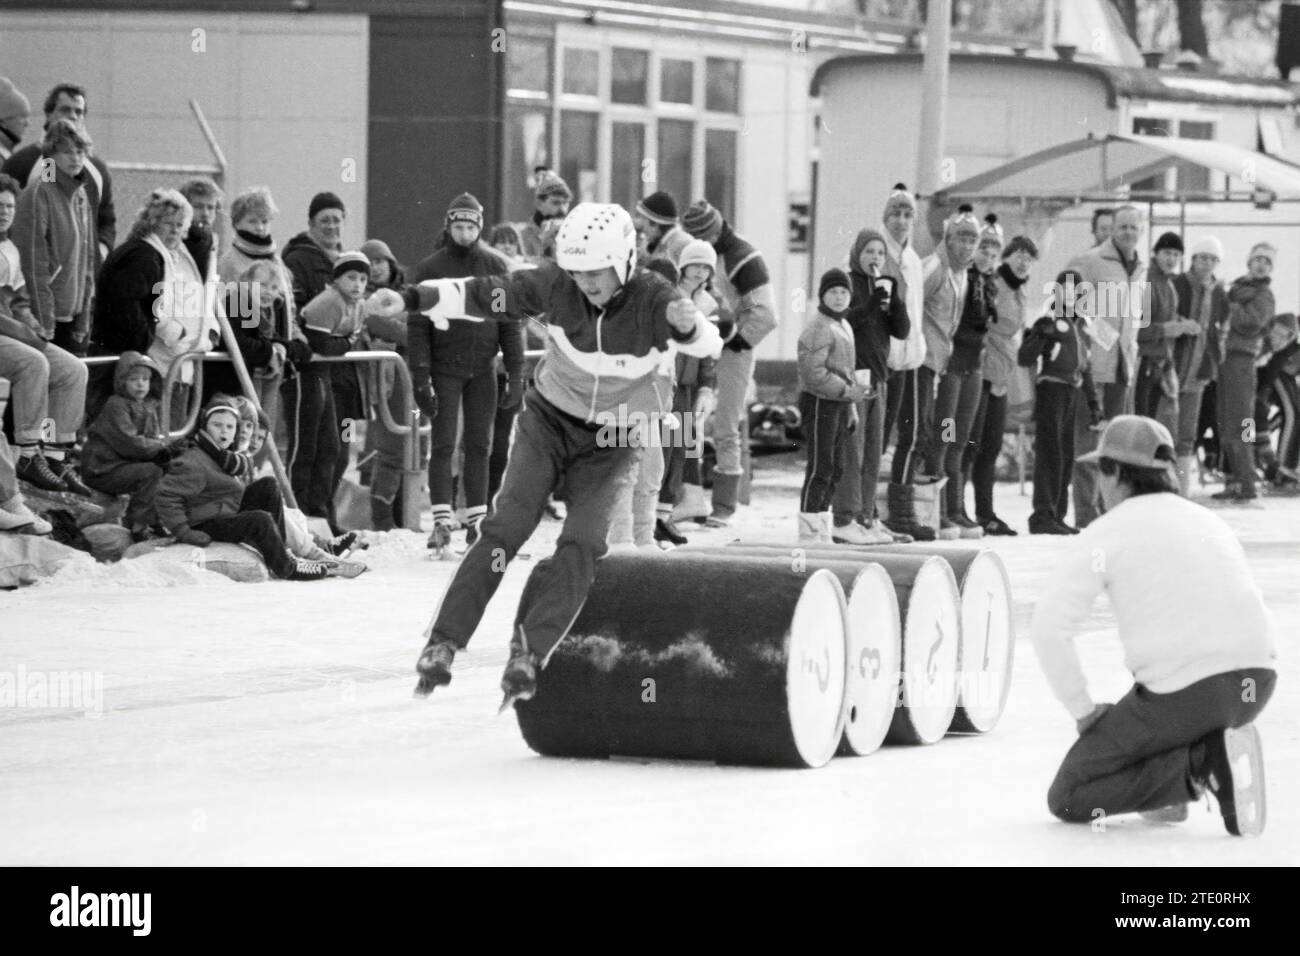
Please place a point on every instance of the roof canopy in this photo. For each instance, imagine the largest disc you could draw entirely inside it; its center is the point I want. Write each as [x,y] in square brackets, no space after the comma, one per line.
[1101,168]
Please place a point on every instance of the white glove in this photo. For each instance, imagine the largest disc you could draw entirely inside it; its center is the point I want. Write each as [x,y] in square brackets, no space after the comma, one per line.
[705,404]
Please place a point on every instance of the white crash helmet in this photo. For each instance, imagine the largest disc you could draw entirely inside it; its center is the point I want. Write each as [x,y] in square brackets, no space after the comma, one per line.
[597,235]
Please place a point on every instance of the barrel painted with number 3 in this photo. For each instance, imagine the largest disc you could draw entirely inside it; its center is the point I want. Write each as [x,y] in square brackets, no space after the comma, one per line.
[697,658]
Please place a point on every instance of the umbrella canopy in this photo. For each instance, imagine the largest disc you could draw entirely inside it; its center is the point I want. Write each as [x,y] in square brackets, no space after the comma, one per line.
[1101,167]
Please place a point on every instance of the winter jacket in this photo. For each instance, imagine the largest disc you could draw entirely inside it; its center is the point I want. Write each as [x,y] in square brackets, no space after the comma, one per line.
[333,325]
[241,256]
[1112,296]
[185,311]
[745,289]
[54,232]
[1197,357]
[25,165]
[945,297]
[670,244]
[126,430]
[1160,308]
[1002,343]
[1281,369]
[128,290]
[597,361]
[1250,309]
[874,331]
[977,315]
[202,248]
[534,243]
[258,335]
[196,489]
[311,269]
[903,265]
[465,349]
[13,287]
[827,355]
[1061,355]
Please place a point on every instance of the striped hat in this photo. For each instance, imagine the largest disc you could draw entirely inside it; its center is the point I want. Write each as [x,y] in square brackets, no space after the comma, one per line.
[899,197]
[352,262]
[549,183]
[465,208]
[963,220]
[701,219]
[991,232]
[659,207]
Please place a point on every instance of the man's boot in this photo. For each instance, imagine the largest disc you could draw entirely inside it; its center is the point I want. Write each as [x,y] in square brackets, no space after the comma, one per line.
[726,488]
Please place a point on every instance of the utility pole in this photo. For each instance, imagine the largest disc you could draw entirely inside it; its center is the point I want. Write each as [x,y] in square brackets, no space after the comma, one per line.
[934,104]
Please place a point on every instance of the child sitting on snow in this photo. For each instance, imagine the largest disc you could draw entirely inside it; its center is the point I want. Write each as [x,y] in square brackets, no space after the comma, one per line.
[127,447]
[206,497]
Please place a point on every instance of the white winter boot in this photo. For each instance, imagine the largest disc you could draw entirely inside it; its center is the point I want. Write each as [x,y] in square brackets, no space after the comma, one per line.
[814,528]
[693,504]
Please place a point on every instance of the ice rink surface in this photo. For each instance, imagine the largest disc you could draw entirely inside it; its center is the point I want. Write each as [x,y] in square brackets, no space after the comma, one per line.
[274,724]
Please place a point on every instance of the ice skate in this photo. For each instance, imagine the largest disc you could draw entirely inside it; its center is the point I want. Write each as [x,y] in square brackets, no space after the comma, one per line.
[519,681]
[1175,813]
[1232,769]
[440,539]
[434,667]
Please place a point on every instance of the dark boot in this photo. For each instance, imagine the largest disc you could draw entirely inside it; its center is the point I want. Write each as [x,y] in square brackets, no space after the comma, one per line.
[902,514]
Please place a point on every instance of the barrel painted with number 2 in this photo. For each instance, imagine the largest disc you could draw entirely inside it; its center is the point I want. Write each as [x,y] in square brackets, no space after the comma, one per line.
[697,658]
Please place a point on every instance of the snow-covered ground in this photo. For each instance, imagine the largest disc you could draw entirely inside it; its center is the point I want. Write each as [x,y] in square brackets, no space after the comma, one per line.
[274,724]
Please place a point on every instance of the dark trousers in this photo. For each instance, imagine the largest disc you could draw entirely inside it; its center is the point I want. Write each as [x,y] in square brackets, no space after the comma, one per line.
[1137,756]
[139,479]
[915,425]
[503,423]
[548,445]
[893,403]
[855,494]
[1148,389]
[985,448]
[1053,448]
[1236,394]
[826,427]
[260,523]
[476,397]
[1208,432]
[675,458]
[955,407]
[1087,493]
[314,441]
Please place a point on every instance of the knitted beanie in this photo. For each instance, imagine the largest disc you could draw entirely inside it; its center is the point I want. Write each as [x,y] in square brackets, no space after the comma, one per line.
[864,236]
[12,101]
[962,221]
[465,208]
[1208,246]
[549,183]
[697,252]
[1170,240]
[1287,320]
[991,233]
[352,262]
[322,201]
[833,279]
[374,249]
[701,219]
[899,197]
[659,207]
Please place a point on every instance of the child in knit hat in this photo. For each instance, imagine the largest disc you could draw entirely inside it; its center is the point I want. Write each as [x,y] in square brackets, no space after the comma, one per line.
[334,324]
[827,402]
[1278,387]
[127,447]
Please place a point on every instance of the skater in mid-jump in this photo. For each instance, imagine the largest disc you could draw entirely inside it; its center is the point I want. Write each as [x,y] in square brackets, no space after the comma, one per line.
[1196,634]
[610,327]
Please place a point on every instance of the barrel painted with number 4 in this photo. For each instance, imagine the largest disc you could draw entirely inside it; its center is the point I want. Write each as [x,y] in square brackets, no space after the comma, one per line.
[697,658]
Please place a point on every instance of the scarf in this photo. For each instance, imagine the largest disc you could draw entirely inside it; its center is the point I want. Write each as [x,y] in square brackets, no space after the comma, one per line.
[255,247]
[1009,276]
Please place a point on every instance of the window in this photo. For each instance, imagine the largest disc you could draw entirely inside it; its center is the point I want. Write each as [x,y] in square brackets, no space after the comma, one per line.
[676,158]
[629,76]
[1149,126]
[528,145]
[677,81]
[720,170]
[626,159]
[581,72]
[722,85]
[1193,178]
[578,153]
[528,67]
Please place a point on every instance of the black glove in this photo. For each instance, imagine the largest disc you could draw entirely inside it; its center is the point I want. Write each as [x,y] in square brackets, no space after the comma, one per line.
[879,296]
[187,535]
[514,394]
[297,351]
[726,327]
[427,399]
[737,343]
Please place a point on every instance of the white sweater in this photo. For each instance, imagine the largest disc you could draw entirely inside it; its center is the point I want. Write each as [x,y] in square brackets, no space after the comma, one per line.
[1185,601]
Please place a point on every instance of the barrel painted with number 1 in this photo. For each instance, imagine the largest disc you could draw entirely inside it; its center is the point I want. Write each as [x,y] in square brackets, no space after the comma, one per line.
[697,658]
